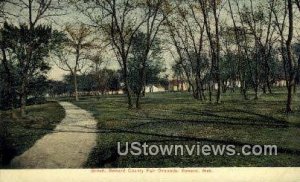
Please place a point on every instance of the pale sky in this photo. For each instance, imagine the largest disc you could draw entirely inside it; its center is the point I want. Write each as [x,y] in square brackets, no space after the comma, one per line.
[74,17]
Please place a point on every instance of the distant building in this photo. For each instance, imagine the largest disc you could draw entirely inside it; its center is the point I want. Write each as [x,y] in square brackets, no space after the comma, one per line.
[154,89]
[280,83]
[116,92]
[230,84]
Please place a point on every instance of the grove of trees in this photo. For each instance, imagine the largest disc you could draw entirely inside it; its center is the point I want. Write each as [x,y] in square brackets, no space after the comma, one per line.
[213,45]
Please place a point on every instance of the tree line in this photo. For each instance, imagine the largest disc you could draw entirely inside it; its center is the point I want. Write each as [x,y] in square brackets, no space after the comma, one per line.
[245,44]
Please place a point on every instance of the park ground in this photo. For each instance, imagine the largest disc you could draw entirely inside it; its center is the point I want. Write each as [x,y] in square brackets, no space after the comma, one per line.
[22,132]
[172,118]
[177,118]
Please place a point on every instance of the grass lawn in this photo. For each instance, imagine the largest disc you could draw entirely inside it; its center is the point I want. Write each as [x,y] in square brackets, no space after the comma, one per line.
[176,118]
[22,133]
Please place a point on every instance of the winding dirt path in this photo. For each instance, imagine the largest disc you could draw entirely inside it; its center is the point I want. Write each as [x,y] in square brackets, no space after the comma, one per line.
[67,147]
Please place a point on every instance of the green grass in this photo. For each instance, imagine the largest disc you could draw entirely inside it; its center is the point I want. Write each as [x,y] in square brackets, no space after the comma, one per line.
[177,118]
[23,132]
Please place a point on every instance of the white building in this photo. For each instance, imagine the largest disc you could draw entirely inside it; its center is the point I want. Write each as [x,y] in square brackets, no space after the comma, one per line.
[154,89]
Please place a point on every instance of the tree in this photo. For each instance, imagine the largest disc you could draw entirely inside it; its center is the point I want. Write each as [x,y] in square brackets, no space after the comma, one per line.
[186,30]
[71,56]
[28,49]
[103,81]
[297,79]
[143,72]
[97,72]
[118,21]
[229,62]
[155,16]
[29,43]
[57,88]
[7,91]
[285,28]
[114,81]
[178,74]
[259,23]
[31,12]
[290,66]
[208,7]
[298,4]
[241,40]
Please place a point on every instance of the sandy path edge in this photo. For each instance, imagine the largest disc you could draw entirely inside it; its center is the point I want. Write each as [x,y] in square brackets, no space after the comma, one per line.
[67,147]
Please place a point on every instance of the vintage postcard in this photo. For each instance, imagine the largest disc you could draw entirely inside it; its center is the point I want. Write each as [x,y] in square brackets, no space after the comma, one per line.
[150,90]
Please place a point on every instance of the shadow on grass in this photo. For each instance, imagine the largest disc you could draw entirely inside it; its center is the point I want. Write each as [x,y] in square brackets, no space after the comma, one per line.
[99,157]
[262,121]
[102,157]
[262,118]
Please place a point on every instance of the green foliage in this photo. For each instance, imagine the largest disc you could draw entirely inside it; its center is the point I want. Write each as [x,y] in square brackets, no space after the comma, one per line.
[28,50]
[102,80]
[229,66]
[57,87]
[153,65]
[22,41]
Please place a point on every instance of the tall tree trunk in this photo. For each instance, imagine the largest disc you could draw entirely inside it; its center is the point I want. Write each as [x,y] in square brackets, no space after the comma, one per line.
[126,82]
[210,91]
[264,88]
[217,61]
[289,99]
[242,74]
[23,98]
[142,83]
[138,97]
[266,70]
[244,90]
[291,77]
[298,4]
[75,86]
[297,79]
[256,91]
[214,41]
[197,91]
[137,102]
[10,100]
[202,90]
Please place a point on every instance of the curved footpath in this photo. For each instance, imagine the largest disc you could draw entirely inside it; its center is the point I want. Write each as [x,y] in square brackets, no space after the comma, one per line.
[67,147]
